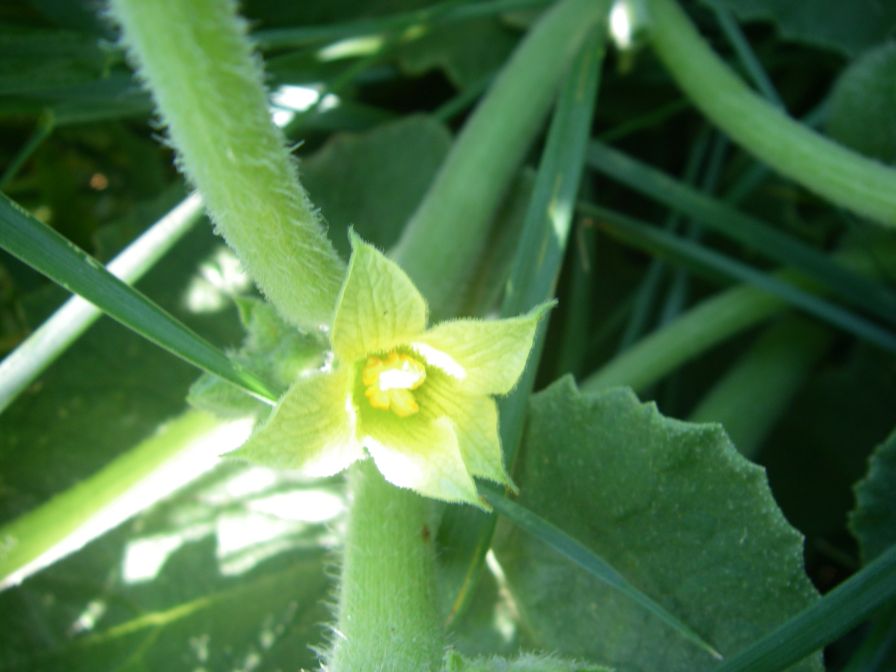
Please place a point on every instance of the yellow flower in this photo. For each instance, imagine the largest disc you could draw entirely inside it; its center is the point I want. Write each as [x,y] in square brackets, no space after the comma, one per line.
[419,401]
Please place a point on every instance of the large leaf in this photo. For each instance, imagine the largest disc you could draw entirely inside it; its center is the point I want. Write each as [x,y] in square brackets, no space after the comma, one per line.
[874,519]
[675,509]
[847,27]
[860,112]
[373,181]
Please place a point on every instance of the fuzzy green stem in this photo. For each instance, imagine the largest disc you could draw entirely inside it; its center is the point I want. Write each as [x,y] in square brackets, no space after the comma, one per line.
[450,228]
[862,185]
[387,602]
[198,63]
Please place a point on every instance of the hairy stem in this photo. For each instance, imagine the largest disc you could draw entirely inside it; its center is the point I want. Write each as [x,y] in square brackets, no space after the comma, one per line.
[198,63]
[860,184]
[387,603]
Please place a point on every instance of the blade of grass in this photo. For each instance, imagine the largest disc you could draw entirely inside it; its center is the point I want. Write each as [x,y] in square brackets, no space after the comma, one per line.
[45,125]
[409,25]
[833,615]
[47,251]
[532,281]
[703,326]
[745,54]
[650,286]
[653,239]
[581,555]
[743,228]
[23,365]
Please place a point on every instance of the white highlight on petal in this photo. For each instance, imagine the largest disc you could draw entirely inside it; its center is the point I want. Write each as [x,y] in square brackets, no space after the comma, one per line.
[404,378]
[440,360]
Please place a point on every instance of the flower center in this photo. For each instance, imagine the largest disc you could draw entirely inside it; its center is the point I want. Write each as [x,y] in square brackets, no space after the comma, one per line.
[388,382]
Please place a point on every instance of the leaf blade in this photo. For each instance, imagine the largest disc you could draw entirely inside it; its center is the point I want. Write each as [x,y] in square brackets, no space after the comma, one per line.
[47,251]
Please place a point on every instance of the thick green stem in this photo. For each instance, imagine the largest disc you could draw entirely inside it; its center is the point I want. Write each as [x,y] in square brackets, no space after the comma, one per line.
[387,603]
[198,63]
[835,173]
[450,228]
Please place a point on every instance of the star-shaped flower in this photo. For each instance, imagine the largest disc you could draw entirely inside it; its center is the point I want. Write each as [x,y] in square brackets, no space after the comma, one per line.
[420,401]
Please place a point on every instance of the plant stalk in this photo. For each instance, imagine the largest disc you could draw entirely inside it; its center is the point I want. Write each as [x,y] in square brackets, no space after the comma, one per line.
[198,63]
[835,173]
[387,602]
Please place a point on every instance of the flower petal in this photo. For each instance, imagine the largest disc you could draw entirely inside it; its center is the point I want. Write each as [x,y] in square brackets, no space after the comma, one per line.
[485,356]
[312,429]
[418,453]
[378,307]
[475,420]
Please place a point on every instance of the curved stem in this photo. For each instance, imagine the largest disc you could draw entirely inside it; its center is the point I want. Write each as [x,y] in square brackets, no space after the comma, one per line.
[450,227]
[199,65]
[387,603]
[862,185]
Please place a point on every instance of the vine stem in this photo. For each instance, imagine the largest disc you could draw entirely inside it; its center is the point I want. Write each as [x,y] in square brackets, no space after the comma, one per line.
[387,602]
[862,185]
[197,61]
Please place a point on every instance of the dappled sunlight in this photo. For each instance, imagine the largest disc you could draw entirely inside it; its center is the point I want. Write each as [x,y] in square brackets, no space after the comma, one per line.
[291,99]
[198,457]
[220,277]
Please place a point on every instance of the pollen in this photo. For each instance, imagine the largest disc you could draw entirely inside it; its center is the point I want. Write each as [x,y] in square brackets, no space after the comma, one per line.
[389,381]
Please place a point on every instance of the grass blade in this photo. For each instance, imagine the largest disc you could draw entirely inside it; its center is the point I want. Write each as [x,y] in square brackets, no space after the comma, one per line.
[44,249]
[407,25]
[23,365]
[833,615]
[532,280]
[648,237]
[747,230]
[576,552]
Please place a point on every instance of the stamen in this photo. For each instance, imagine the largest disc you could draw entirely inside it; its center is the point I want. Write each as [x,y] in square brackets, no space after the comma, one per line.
[388,382]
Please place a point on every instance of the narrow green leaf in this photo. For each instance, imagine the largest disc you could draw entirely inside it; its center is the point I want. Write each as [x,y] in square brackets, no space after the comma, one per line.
[41,247]
[835,614]
[743,228]
[406,24]
[593,564]
[647,237]
[22,366]
[532,280]
[745,54]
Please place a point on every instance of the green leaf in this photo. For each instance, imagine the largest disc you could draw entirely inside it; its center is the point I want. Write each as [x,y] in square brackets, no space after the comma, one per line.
[832,616]
[658,241]
[373,181]
[574,551]
[44,249]
[849,28]
[674,508]
[525,663]
[860,104]
[468,52]
[874,519]
[745,229]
